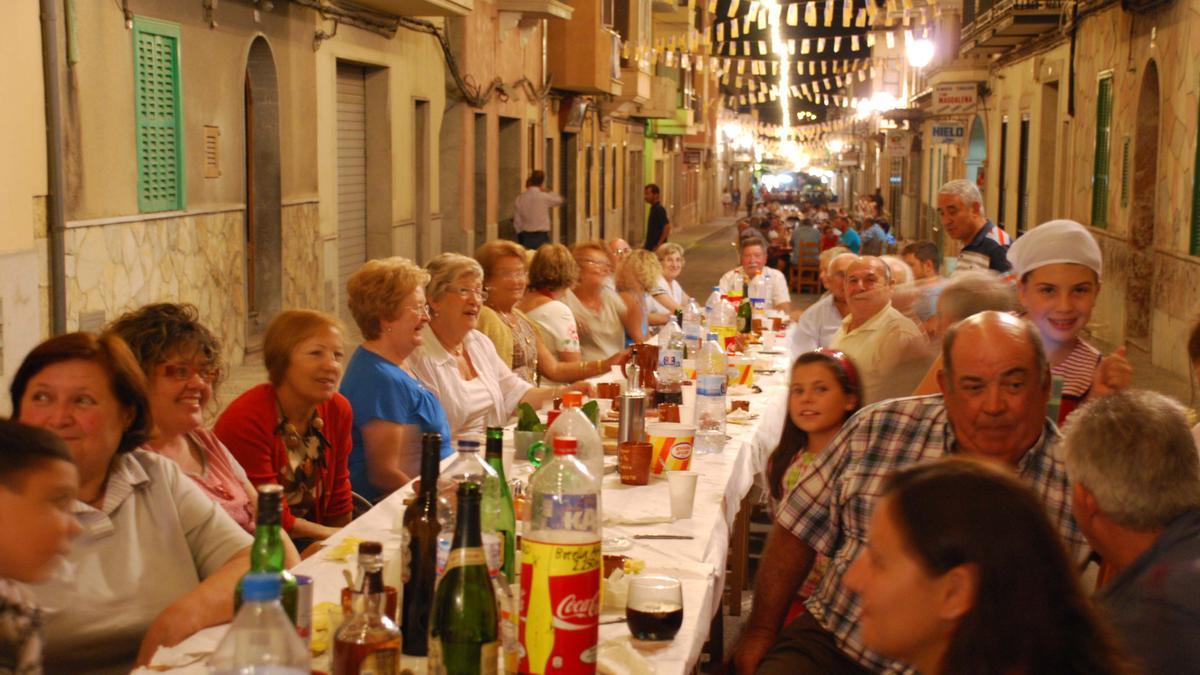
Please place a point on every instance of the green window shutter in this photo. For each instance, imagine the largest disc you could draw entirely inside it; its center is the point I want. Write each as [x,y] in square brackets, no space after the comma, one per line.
[1100,168]
[1194,249]
[1125,173]
[158,117]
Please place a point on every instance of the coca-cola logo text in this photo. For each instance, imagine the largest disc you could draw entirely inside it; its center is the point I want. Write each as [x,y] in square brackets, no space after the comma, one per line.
[572,607]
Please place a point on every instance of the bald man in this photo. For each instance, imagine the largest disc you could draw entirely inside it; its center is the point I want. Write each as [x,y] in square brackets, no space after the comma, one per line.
[995,387]
[888,349]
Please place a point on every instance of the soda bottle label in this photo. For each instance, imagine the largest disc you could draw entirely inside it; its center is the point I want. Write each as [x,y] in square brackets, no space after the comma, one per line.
[560,607]
[568,512]
[711,385]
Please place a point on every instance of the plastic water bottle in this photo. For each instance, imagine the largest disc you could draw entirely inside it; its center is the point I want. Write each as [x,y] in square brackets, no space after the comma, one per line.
[758,297]
[572,422]
[670,364]
[693,336]
[262,640]
[723,322]
[710,305]
[469,466]
[710,397]
[561,567]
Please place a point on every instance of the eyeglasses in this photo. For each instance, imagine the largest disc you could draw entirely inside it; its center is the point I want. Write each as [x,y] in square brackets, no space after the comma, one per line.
[184,372]
[511,274]
[622,251]
[600,265]
[421,310]
[464,292]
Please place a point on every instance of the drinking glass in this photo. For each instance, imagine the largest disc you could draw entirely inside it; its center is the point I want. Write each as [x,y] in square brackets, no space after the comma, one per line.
[654,610]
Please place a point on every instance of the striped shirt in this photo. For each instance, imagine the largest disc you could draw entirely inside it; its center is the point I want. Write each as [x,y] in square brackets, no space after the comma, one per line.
[1076,372]
[831,507]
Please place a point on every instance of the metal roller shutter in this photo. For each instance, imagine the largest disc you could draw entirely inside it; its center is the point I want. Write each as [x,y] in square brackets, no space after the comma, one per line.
[351,175]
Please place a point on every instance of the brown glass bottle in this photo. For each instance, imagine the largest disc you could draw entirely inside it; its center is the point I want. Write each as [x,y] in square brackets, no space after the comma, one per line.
[421,527]
[368,642]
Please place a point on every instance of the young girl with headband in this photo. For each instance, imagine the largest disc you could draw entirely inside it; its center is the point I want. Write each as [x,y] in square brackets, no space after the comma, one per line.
[825,391]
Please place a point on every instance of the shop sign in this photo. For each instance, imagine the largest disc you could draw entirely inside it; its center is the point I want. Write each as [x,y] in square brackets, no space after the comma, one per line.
[949,132]
[954,98]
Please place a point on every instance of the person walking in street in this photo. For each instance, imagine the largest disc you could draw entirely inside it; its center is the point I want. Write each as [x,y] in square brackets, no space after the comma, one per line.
[531,217]
[658,226]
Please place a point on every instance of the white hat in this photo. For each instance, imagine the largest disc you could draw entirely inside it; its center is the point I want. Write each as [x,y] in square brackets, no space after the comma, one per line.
[1057,241]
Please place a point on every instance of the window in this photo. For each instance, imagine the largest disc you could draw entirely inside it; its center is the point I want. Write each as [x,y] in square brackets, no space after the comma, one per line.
[1100,164]
[157,115]
[1002,176]
[1023,178]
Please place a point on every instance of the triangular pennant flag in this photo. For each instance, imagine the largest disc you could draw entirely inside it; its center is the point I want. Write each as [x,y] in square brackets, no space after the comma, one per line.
[854,42]
[812,67]
[837,44]
[732,12]
[720,32]
[712,6]
[862,76]
[741,67]
[810,14]
[762,19]
[891,39]
[824,67]
[860,20]
[791,47]
[804,47]
[847,13]
[870,39]
[908,5]
[795,91]
[775,68]
[762,48]
[793,14]
[829,13]
[821,46]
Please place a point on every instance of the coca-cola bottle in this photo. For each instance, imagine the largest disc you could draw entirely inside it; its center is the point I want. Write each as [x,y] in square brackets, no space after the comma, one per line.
[560,567]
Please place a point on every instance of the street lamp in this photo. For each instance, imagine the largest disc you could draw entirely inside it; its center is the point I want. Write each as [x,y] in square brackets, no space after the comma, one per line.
[920,52]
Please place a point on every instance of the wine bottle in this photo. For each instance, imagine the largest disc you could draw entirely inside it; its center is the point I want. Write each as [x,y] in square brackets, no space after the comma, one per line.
[368,642]
[506,524]
[421,528]
[464,635]
[266,554]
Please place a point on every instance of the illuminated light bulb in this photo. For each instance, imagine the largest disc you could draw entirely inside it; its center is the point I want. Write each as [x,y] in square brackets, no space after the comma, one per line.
[920,52]
[836,145]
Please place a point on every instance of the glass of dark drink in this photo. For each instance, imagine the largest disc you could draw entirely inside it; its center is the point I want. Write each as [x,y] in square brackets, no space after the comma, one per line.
[654,610]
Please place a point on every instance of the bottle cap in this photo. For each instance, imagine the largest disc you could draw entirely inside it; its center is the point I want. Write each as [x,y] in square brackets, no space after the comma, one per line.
[565,445]
[468,444]
[712,336]
[431,437]
[572,399]
[370,548]
[260,586]
[270,488]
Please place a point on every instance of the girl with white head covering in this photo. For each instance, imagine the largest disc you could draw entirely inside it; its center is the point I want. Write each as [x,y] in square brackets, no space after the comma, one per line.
[1058,265]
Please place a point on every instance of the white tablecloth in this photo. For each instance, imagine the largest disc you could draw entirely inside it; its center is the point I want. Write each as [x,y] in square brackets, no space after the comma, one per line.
[699,563]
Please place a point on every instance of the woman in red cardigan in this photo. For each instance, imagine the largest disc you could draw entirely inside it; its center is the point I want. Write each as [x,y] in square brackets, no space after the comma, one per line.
[295,429]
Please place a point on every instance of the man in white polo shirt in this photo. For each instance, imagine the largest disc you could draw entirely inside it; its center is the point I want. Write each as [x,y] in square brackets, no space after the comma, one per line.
[888,349]
[754,263]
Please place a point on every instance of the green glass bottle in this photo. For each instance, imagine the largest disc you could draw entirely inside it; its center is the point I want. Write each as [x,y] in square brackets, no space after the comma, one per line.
[464,631]
[506,524]
[421,528]
[745,312]
[266,554]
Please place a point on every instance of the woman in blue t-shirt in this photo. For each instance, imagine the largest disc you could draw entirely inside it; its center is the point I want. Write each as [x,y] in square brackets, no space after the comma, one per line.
[391,408]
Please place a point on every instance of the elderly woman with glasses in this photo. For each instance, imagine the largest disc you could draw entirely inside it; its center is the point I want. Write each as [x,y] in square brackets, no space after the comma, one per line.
[603,316]
[391,408]
[182,361]
[459,363]
[511,331]
[667,295]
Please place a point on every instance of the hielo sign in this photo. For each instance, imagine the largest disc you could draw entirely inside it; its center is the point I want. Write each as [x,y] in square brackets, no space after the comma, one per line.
[949,132]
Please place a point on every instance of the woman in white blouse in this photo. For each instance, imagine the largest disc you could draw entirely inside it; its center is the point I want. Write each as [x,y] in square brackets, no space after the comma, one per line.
[459,363]
[667,295]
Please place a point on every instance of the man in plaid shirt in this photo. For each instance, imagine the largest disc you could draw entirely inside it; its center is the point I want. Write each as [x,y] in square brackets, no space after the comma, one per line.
[995,388]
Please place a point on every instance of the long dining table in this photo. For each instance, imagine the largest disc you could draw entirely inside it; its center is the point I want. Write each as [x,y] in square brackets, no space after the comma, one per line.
[695,552]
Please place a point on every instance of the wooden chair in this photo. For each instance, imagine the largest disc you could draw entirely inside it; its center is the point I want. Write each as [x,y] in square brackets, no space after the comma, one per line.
[807,273]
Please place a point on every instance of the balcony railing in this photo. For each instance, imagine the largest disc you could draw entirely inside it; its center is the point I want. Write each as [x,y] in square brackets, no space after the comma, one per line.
[994,26]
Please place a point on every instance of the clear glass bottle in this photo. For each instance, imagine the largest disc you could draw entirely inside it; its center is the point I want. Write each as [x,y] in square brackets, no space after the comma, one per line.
[368,642]
[469,466]
[262,639]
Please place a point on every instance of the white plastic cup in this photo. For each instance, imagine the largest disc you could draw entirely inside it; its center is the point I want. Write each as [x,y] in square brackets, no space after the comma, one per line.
[605,404]
[682,485]
[689,396]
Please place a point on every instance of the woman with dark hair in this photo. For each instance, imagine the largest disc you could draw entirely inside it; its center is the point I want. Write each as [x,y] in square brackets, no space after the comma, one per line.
[140,515]
[295,429]
[963,573]
[181,359]
[825,391]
